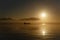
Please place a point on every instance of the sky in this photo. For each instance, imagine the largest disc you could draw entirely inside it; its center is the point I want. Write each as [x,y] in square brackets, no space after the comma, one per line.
[30,8]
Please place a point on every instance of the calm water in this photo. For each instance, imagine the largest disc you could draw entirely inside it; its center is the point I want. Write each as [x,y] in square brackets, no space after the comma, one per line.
[17,31]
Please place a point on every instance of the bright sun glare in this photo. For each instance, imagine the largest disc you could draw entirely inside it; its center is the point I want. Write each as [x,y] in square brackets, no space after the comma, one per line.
[43,14]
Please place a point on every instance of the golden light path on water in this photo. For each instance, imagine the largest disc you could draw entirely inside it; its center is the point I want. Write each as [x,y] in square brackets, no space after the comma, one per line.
[43,29]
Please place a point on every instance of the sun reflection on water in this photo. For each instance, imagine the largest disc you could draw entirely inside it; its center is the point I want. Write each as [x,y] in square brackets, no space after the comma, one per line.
[43,32]
[43,29]
[43,24]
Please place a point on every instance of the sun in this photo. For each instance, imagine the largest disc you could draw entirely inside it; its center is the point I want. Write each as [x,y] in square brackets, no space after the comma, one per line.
[43,14]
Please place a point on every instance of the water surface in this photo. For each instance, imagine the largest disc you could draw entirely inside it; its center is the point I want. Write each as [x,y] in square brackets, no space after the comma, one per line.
[17,31]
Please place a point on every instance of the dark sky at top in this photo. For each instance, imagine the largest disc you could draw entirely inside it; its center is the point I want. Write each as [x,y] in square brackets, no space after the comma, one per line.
[29,8]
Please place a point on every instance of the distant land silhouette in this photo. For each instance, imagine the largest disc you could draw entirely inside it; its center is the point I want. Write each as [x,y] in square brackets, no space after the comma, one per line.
[6,18]
[22,20]
[30,19]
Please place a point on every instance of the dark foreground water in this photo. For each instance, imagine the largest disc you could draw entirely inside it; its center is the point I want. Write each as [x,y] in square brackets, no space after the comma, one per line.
[17,31]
